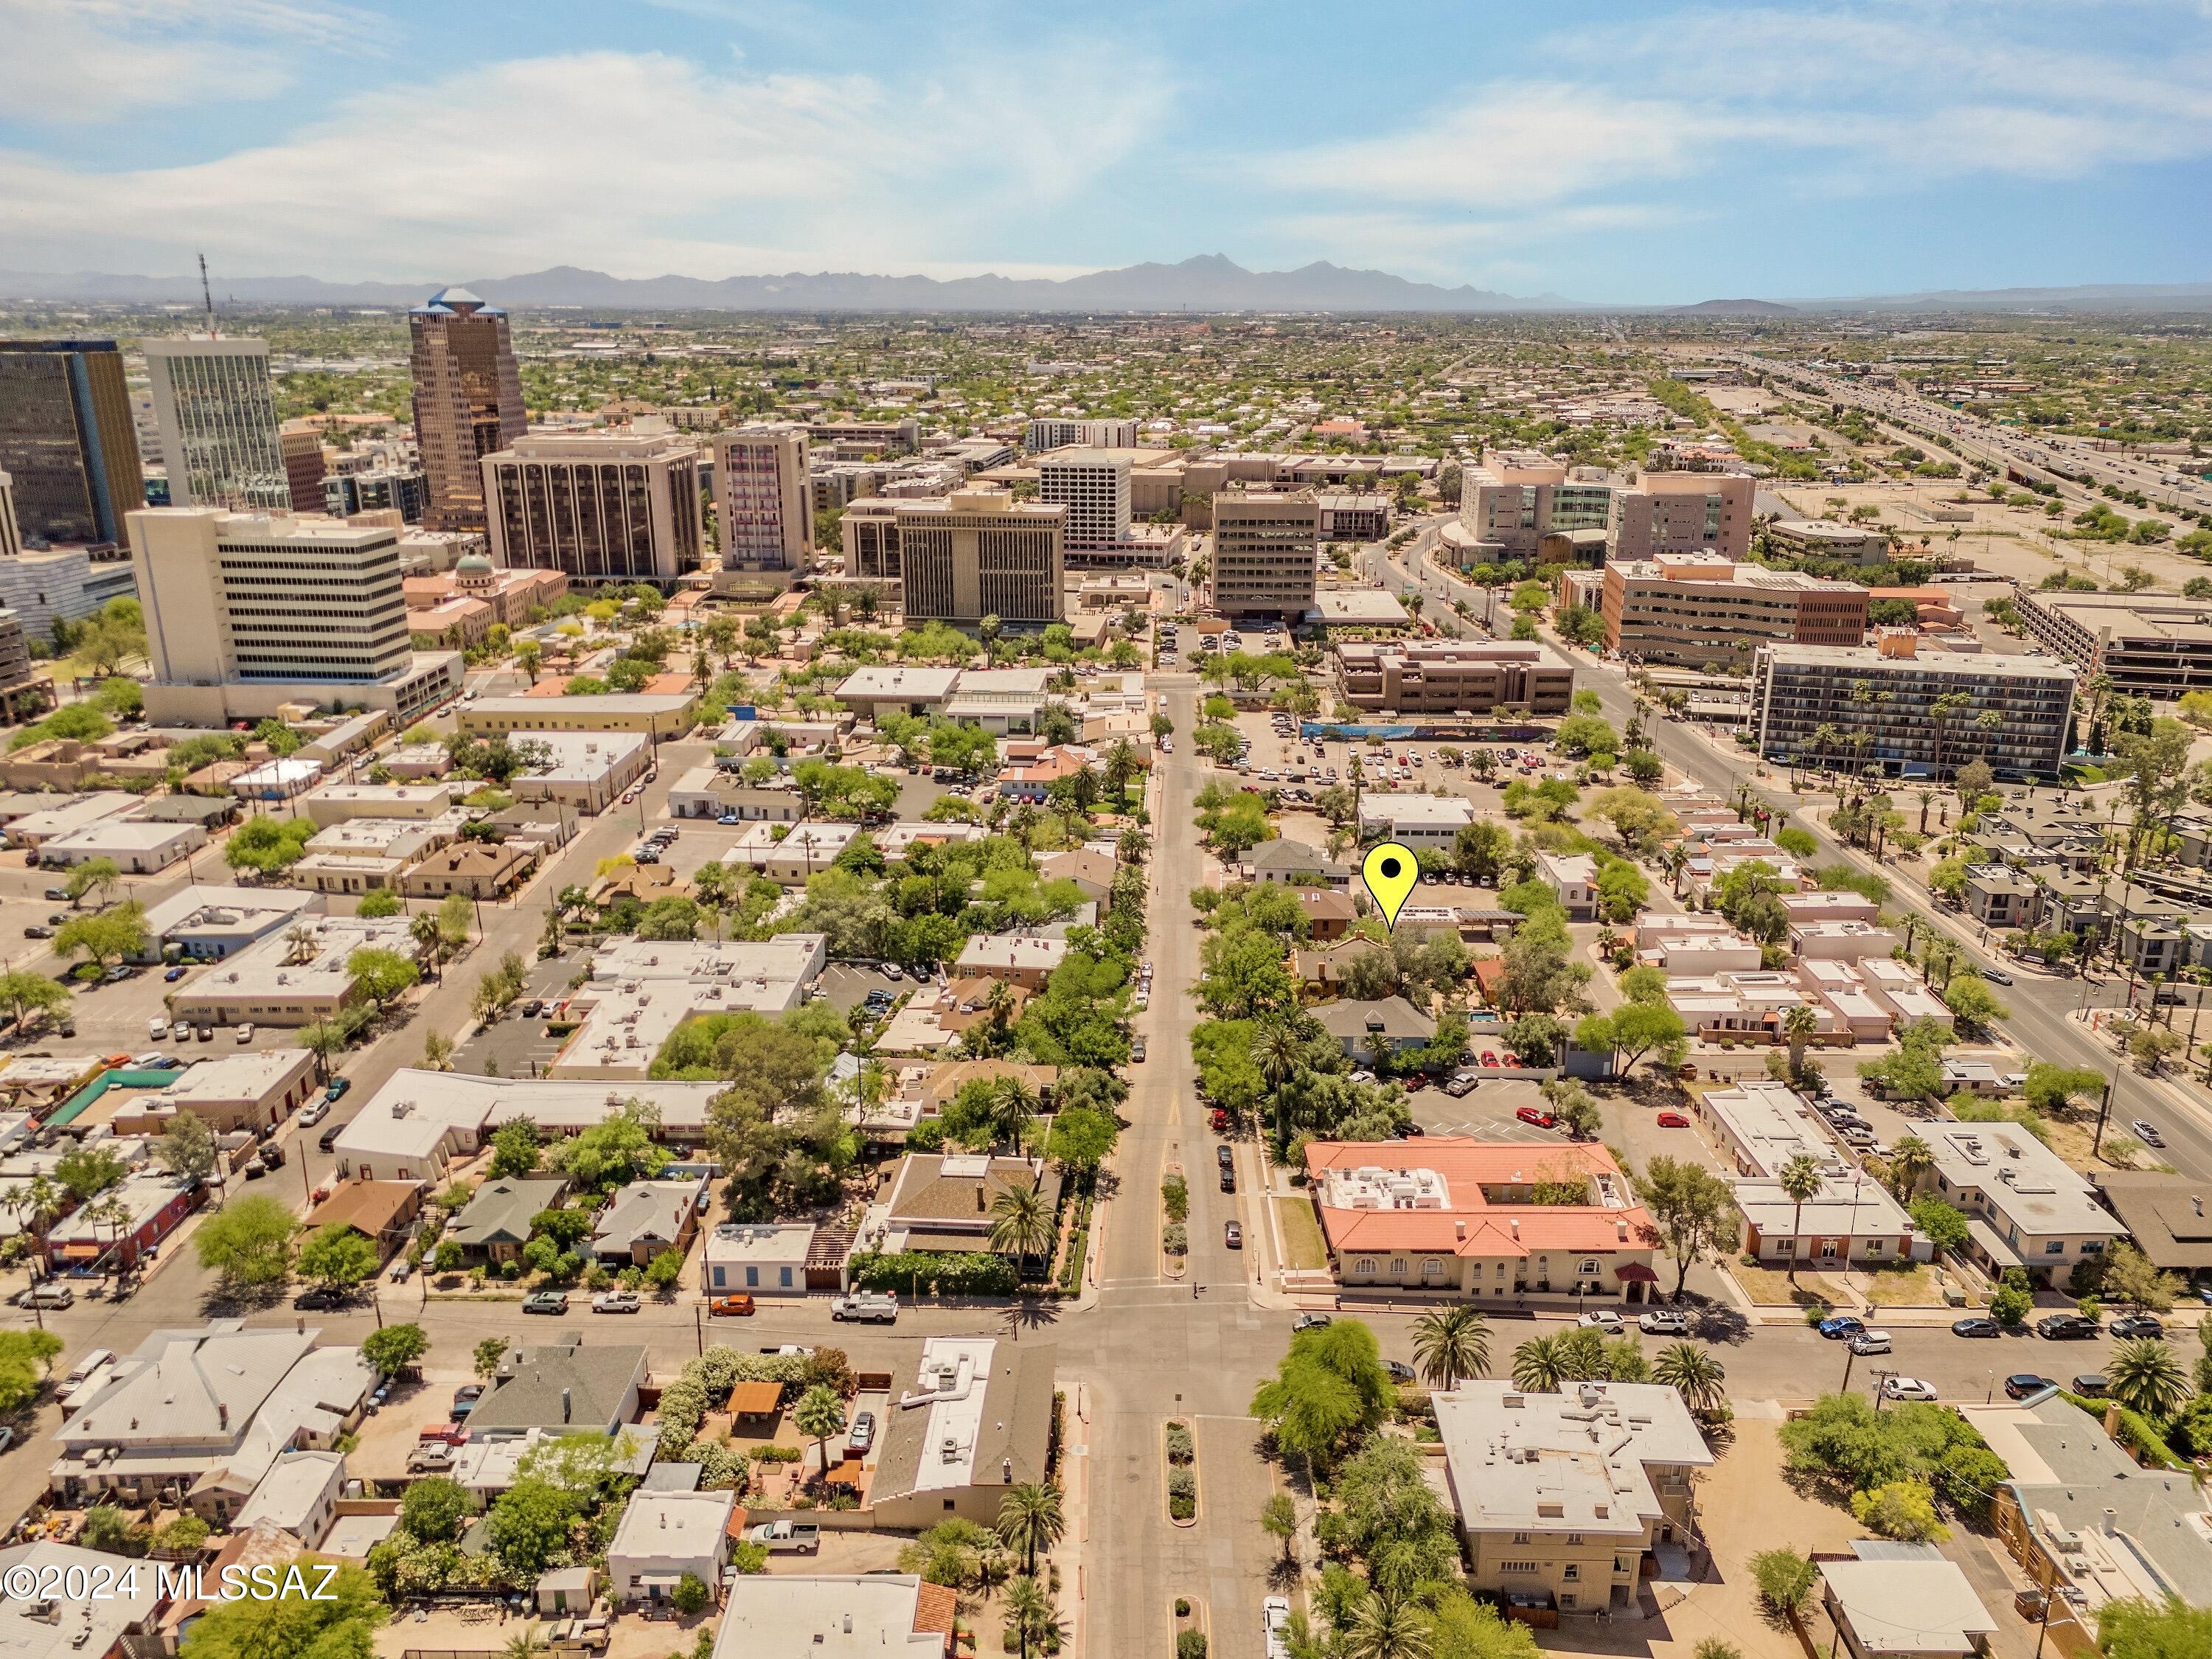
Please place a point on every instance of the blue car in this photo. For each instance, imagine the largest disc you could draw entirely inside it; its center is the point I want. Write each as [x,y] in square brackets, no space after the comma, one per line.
[174,974]
[1842,1325]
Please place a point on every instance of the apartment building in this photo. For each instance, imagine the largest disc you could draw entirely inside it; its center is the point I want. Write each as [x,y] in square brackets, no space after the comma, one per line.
[1707,512]
[215,407]
[1093,485]
[1515,501]
[599,506]
[1449,676]
[1266,543]
[1561,1497]
[2150,644]
[2025,1205]
[1043,434]
[1879,707]
[763,504]
[959,558]
[68,438]
[468,401]
[855,440]
[247,612]
[1706,610]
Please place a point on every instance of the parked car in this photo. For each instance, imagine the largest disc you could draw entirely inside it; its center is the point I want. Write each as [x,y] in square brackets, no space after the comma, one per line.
[1538,1116]
[2136,1325]
[174,973]
[1232,1235]
[314,1112]
[2093,1384]
[1137,1051]
[869,1307]
[738,1307]
[1602,1319]
[1309,1321]
[46,1294]
[616,1302]
[55,893]
[466,1398]
[861,1436]
[329,1138]
[545,1302]
[2066,1328]
[402,1270]
[321,1299]
[1664,1322]
[1275,1626]
[780,1537]
[430,1457]
[1399,1370]
[338,1086]
[1996,976]
[1461,1082]
[1976,1325]
[37,932]
[1673,1120]
[1838,1326]
[2021,1384]
[1868,1342]
[1907,1388]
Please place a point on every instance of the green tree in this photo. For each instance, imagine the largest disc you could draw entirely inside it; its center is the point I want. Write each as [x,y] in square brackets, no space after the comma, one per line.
[187,1146]
[335,1626]
[2146,1376]
[1330,1385]
[514,1149]
[2136,1628]
[1904,1510]
[380,975]
[820,1413]
[24,994]
[394,1348]
[89,1171]
[27,1359]
[528,1526]
[1451,1344]
[433,1508]
[690,1594]
[107,937]
[488,1355]
[1021,1223]
[381,902]
[1693,1209]
[98,877]
[1943,1224]
[1031,1521]
[1279,1519]
[338,1257]
[1785,1579]
[248,1242]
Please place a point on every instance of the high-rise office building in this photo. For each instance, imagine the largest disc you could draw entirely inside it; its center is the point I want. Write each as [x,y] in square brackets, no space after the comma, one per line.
[397,489]
[597,506]
[962,557]
[245,612]
[1700,610]
[1682,512]
[68,438]
[303,469]
[216,408]
[1265,546]
[1047,434]
[468,400]
[762,502]
[1093,484]
[11,539]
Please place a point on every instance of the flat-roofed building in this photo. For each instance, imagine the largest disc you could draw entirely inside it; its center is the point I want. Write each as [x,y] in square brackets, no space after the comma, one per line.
[650,714]
[599,506]
[1093,485]
[857,440]
[1514,502]
[68,441]
[1694,512]
[1445,676]
[246,613]
[286,981]
[764,510]
[2025,1207]
[1047,433]
[821,1616]
[971,1420]
[961,557]
[1826,538]
[2155,646]
[1707,611]
[897,688]
[1561,1497]
[1266,546]
[1418,821]
[208,923]
[2015,718]
[468,400]
[215,407]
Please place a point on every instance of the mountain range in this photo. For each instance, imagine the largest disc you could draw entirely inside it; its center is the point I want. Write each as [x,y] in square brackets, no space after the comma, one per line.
[1207,282]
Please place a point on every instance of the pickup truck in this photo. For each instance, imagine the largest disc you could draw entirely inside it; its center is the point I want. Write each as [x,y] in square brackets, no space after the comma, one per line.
[866,1306]
[578,1635]
[430,1457]
[783,1537]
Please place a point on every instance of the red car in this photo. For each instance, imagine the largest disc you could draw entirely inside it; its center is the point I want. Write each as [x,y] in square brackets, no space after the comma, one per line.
[1536,1115]
[1488,1058]
[1673,1120]
[1220,1121]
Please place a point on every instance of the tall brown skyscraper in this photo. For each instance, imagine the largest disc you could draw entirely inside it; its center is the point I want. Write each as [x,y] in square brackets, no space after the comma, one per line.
[67,436]
[468,401]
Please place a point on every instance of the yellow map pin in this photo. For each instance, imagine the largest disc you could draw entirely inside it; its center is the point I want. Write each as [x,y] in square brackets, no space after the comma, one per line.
[1391,873]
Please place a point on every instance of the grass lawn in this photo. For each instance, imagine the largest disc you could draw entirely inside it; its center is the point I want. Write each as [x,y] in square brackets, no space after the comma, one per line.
[1903,1286]
[1770,1287]
[1301,1240]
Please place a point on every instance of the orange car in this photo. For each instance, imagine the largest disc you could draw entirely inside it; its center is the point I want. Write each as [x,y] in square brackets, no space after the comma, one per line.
[739,1305]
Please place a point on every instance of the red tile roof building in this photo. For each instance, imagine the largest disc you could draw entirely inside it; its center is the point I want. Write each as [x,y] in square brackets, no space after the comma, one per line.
[1448,1214]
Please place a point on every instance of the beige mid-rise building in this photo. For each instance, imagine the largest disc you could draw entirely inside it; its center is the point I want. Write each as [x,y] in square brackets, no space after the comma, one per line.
[763,504]
[1266,546]
[1682,512]
[248,612]
[599,506]
[468,400]
[961,557]
[1515,501]
[1704,611]
[1446,676]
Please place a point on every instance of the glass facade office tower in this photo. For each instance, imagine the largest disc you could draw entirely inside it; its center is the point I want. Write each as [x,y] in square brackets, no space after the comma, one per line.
[68,438]
[217,410]
[468,401]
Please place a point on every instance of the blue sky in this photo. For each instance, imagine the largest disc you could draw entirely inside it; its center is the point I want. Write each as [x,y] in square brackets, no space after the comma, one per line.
[1606,152]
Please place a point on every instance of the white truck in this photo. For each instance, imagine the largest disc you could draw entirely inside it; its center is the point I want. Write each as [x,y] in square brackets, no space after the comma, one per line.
[785,1537]
[868,1307]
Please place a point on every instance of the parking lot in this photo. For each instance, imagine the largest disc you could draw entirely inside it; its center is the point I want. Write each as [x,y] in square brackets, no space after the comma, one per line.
[519,1045]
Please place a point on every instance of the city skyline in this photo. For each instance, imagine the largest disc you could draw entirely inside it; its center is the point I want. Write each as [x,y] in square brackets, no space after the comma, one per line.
[1657,156]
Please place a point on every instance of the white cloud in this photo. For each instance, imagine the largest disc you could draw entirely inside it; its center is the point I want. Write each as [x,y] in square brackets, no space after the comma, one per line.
[640,163]
[155,53]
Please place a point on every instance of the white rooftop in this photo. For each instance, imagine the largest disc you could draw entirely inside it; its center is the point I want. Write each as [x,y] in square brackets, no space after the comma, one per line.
[950,1385]
[288,1494]
[822,1616]
[206,908]
[1522,1461]
[2024,1181]
[678,1525]
[1918,1607]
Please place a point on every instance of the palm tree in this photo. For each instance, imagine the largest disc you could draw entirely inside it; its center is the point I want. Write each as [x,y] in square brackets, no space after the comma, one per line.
[1122,766]
[1799,1026]
[1387,1627]
[1694,1373]
[1945,709]
[1280,1054]
[1910,1159]
[426,934]
[1021,1223]
[1030,1520]
[1800,1179]
[1013,1103]
[528,1644]
[1029,1611]
[1540,1365]
[2147,1376]
[820,1413]
[1450,1344]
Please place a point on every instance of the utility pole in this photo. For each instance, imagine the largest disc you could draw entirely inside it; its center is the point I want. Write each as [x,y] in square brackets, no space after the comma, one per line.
[207,299]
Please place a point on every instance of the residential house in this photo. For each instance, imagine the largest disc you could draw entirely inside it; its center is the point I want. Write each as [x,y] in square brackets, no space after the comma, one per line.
[495,1223]
[116,1625]
[1363,1028]
[1329,913]
[1092,872]
[973,1418]
[475,869]
[1573,877]
[1998,896]
[2025,1205]
[2168,1216]
[1022,959]
[943,1201]
[766,1259]
[1563,1498]
[383,1211]
[153,1205]
[645,1220]
[1453,1215]
[822,1616]
[663,1535]
[562,1387]
[1899,1600]
[299,1495]
[1296,862]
